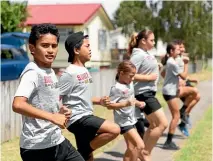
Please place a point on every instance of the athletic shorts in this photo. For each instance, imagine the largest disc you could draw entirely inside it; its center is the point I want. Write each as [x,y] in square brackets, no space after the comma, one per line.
[152,104]
[85,129]
[168,97]
[126,128]
[188,84]
[63,152]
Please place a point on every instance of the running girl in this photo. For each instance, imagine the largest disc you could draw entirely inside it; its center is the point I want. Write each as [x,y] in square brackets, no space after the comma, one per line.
[145,85]
[123,102]
[170,89]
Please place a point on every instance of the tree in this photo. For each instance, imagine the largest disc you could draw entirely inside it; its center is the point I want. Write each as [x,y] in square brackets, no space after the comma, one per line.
[132,15]
[190,21]
[13,15]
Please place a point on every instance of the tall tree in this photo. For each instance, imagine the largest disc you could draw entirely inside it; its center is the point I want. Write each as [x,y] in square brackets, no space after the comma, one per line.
[13,14]
[190,21]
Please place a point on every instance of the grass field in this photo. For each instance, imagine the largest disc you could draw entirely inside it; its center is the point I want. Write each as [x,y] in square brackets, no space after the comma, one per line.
[199,145]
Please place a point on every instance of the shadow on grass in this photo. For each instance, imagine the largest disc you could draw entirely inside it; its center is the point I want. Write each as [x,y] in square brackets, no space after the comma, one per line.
[161,146]
[115,154]
[112,153]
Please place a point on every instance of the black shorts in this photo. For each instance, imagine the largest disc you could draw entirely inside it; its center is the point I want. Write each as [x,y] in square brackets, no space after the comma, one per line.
[152,104]
[63,152]
[168,97]
[188,84]
[85,129]
[126,128]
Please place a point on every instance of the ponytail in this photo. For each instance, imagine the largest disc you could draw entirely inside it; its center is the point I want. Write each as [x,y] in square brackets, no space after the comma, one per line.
[164,59]
[117,77]
[135,39]
[132,43]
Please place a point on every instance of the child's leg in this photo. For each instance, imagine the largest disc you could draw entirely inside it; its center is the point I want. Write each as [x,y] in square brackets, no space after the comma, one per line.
[133,139]
[131,153]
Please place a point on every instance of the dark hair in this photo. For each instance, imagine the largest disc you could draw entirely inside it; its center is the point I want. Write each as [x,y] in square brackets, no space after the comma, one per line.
[178,41]
[170,46]
[77,46]
[41,29]
[124,66]
[135,39]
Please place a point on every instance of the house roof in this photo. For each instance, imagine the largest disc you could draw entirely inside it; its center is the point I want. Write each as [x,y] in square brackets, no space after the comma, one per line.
[69,14]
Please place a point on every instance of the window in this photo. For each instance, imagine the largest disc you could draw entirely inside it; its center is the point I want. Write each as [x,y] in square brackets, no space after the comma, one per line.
[102,40]
[64,32]
[114,44]
[86,31]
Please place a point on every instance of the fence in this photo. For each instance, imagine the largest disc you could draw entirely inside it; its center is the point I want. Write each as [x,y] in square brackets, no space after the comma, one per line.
[11,122]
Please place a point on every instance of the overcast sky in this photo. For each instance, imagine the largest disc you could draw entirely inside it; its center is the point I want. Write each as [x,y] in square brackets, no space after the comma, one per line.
[109,5]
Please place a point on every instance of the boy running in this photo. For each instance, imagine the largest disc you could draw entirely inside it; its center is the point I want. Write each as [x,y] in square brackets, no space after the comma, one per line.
[91,132]
[37,100]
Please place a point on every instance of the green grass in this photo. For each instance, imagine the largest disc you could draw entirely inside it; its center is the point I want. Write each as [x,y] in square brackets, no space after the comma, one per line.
[10,149]
[199,145]
[205,74]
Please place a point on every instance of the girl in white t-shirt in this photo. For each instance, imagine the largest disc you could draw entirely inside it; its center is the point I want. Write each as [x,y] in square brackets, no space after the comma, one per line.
[171,91]
[123,103]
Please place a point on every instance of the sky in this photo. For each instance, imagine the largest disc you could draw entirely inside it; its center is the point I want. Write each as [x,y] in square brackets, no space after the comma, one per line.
[109,5]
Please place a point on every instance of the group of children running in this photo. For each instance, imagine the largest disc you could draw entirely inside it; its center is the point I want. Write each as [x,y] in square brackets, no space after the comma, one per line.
[132,99]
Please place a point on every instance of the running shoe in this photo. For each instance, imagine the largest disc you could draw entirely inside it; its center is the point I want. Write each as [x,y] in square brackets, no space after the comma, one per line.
[183,130]
[170,146]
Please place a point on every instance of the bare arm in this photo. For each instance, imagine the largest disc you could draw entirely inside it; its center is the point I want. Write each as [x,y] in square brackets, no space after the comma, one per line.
[96,100]
[21,106]
[163,73]
[140,104]
[194,80]
[185,72]
[115,106]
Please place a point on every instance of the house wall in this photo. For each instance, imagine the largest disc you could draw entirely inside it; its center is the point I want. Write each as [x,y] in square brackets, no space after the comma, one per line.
[97,22]
[93,28]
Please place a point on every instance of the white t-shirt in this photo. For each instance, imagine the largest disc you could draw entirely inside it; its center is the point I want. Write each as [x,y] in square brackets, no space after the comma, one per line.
[122,92]
[145,63]
[171,80]
[40,87]
[76,91]
[180,63]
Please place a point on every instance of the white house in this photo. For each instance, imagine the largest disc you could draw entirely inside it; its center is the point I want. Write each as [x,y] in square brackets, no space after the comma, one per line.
[90,18]
[118,40]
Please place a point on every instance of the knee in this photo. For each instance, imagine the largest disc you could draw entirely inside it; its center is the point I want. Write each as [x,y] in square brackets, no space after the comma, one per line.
[195,91]
[176,116]
[198,97]
[164,124]
[140,147]
[115,130]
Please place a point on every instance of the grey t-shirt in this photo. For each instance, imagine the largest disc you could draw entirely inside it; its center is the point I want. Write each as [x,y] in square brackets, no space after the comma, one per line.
[171,80]
[180,63]
[76,91]
[145,63]
[40,86]
[118,93]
